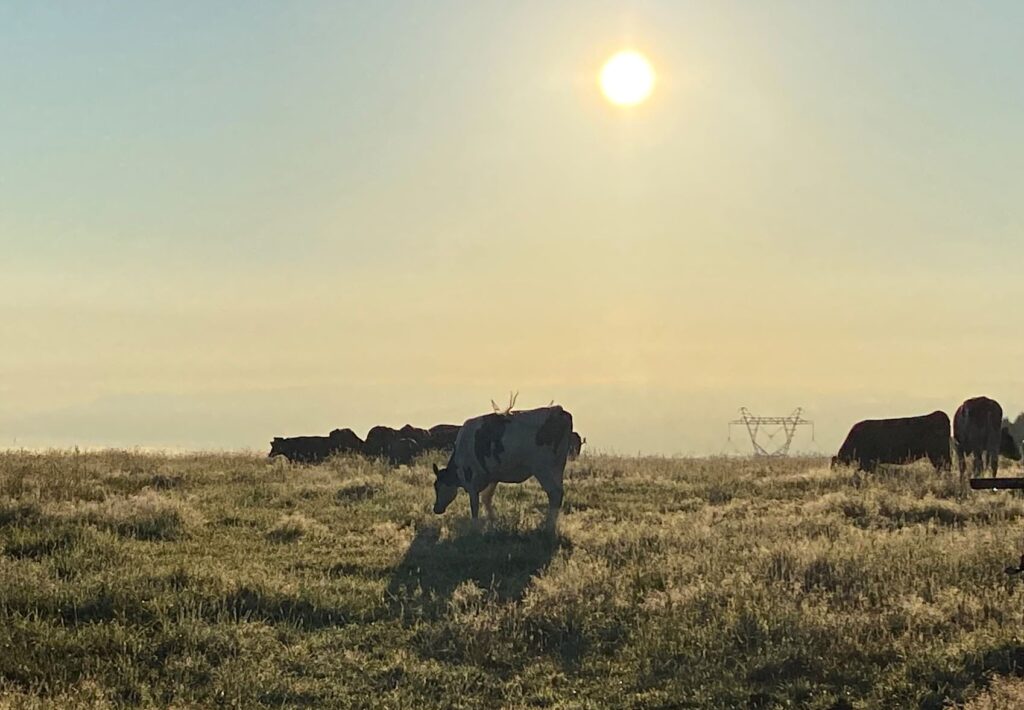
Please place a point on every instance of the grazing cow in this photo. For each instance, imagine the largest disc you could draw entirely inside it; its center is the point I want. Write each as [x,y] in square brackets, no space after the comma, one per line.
[876,441]
[575,445]
[301,449]
[314,449]
[391,444]
[506,448]
[402,451]
[977,427]
[1008,447]
[442,437]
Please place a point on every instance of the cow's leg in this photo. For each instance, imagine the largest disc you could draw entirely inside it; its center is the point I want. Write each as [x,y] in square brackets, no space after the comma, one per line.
[979,462]
[474,503]
[993,458]
[486,496]
[553,487]
[961,461]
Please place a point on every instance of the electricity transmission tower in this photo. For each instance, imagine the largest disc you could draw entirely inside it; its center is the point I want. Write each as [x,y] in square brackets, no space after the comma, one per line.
[771,427]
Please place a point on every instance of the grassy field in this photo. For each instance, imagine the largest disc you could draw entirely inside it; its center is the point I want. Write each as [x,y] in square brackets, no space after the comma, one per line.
[129,579]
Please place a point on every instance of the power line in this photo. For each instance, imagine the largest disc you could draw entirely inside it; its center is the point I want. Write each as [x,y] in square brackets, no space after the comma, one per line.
[770,427]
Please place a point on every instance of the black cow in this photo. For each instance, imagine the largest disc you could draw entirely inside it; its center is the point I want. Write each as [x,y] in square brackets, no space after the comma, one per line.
[1008,447]
[576,443]
[301,449]
[391,444]
[346,441]
[314,449]
[420,436]
[443,436]
[898,441]
[977,427]
[379,439]
[402,451]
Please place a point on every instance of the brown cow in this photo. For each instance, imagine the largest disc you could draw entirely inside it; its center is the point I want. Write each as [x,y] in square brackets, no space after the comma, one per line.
[977,427]
[904,440]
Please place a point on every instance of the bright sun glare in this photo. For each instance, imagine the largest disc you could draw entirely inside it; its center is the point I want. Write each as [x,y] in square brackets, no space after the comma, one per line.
[627,78]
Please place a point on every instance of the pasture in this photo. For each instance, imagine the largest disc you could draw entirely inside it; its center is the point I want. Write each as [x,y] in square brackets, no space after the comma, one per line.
[212,580]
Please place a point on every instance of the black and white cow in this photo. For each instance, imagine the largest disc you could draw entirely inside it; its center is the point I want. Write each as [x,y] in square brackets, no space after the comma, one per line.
[506,448]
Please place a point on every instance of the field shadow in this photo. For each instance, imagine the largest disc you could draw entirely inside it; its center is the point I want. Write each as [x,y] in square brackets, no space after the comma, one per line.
[974,669]
[500,561]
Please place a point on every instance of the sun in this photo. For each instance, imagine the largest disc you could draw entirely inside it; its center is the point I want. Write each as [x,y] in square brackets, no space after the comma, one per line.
[627,78]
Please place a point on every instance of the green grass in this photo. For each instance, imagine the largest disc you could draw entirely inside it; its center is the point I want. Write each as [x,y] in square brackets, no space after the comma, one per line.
[231,581]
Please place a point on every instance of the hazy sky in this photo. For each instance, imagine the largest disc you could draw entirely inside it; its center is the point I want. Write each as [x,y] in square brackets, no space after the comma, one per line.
[222,222]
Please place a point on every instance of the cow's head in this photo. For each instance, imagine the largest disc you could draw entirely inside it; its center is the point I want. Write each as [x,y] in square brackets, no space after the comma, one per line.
[446,485]
[276,447]
[1008,447]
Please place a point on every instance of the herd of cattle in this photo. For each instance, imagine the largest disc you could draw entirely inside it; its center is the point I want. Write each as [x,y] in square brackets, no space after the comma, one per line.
[397,446]
[511,446]
[977,432]
[504,447]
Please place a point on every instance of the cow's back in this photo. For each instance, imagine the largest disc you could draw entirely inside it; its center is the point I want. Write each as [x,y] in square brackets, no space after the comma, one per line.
[443,437]
[379,440]
[345,441]
[976,422]
[420,436]
[513,447]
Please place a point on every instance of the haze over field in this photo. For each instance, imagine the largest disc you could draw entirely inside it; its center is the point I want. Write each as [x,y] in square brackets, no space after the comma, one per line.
[224,223]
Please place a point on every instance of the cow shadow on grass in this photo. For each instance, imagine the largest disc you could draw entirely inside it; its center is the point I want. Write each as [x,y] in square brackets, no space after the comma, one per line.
[501,562]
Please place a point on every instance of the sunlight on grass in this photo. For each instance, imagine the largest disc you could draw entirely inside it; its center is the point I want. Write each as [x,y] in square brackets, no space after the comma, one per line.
[208,580]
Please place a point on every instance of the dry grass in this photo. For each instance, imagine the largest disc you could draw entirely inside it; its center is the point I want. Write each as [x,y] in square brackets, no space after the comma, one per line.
[229,581]
[1003,694]
[293,526]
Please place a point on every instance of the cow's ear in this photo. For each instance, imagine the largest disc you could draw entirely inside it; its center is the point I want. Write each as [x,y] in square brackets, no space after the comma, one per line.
[437,471]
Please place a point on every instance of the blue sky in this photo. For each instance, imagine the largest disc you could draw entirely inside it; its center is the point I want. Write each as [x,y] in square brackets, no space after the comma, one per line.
[227,221]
